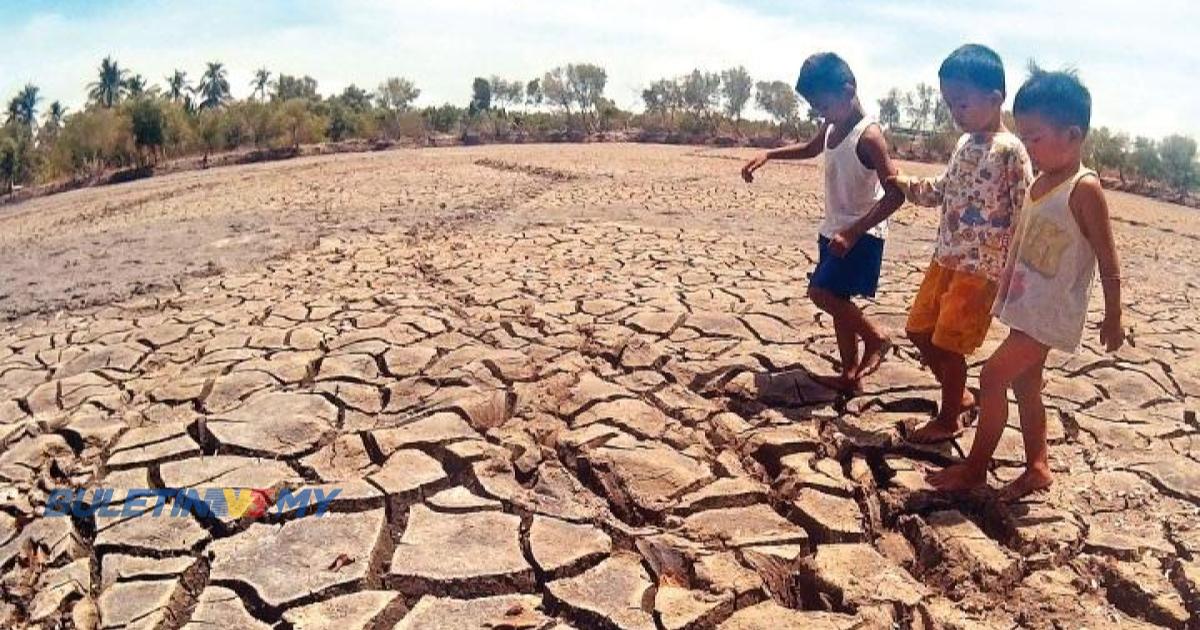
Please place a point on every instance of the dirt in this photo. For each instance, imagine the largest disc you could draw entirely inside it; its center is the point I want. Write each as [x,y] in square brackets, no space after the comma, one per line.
[557,386]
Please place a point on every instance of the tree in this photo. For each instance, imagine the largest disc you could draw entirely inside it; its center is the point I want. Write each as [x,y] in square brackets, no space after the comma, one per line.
[109,88]
[214,86]
[148,123]
[506,94]
[442,119]
[585,85]
[919,105]
[1145,159]
[177,86]
[288,87]
[737,87]
[554,88]
[53,121]
[22,109]
[533,93]
[355,98]
[481,96]
[779,100]
[396,94]
[299,123]
[135,85]
[1106,150]
[262,79]
[1178,155]
[701,92]
[889,109]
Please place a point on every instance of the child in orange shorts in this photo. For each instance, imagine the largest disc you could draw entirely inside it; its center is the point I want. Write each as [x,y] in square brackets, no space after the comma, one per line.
[980,194]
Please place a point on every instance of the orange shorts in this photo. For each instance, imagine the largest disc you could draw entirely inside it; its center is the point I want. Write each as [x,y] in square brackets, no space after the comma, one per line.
[955,307]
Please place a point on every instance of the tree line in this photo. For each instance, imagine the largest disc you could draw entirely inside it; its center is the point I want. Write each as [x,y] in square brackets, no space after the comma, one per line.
[128,122]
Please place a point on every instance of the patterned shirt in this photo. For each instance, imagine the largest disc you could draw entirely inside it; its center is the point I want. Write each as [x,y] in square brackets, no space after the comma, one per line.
[980,194]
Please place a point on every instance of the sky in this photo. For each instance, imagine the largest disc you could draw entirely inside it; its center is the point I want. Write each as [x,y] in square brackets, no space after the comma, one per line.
[1137,58]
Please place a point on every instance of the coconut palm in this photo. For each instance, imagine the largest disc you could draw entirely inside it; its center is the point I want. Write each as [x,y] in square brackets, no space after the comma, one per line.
[55,114]
[177,85]
[22,109]
[108,90]
[214,86]
[135,85]
[262,78]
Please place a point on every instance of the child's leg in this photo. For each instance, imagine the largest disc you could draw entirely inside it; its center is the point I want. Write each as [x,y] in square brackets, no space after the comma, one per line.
[950,368]
[1037,476]
[849,323]
[1018,355]
[844,328]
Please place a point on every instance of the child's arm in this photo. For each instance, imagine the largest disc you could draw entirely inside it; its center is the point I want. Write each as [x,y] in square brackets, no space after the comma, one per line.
[922,191]
[800,151]
[874,146]
[1091,213]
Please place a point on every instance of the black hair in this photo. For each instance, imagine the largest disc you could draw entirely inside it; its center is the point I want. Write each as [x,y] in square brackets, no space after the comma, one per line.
[975,65]
[823,73]
[1060,97]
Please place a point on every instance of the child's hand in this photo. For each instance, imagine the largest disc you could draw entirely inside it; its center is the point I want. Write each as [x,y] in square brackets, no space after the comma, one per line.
[1112,334]
[843,242]
[754,164]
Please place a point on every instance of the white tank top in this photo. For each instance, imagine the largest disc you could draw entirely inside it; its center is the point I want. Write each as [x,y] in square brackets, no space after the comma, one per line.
[851,189]
[1047,282]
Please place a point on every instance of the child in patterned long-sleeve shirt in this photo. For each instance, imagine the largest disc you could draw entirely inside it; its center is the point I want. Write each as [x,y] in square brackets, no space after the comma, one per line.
[980,195]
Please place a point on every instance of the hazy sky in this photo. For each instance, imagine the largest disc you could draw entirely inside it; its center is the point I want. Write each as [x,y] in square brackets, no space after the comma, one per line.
[1138,58]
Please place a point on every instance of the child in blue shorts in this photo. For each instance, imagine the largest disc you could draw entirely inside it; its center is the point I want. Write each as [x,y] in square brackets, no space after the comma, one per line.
[860,194]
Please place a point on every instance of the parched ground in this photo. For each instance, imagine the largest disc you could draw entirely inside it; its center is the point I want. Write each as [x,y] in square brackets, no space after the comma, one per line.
[557,387]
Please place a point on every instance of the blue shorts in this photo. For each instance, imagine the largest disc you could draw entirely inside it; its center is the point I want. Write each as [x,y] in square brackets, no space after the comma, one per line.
[857,273]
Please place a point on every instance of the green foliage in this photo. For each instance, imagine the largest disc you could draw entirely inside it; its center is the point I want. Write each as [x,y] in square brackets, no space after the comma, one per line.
[1145,159]
[148,125]
[779,100]
[109,88]
[889,109]
[481,96]
[396,94]
[443,119]
[1105,150]
[288,87]
[1178,155]
[214,86]
[299,123]
[737,87]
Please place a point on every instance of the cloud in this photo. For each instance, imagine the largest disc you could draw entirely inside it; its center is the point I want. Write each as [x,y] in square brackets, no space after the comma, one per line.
[1130,55]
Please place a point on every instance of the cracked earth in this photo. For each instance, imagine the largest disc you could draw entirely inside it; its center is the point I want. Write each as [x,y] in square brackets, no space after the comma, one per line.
[557,387]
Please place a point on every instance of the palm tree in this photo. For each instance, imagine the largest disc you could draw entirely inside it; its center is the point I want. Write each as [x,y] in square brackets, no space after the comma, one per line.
[262,77]
[177,84]
[214,86]
[22,109]
[135,85]
[55,115]
[110,87]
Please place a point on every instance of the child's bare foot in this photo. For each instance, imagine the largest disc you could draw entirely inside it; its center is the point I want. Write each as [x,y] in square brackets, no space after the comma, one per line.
[968,401]
[936,430]
[1034,479]
[874,352]
[956,478]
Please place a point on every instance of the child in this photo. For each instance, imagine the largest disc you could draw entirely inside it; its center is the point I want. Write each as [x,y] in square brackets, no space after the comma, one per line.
[1063,232]
[980,195]
[852,233]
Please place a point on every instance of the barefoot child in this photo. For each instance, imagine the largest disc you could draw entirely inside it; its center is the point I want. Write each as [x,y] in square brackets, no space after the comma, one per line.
[1063,233]
[852,233]
[979,195]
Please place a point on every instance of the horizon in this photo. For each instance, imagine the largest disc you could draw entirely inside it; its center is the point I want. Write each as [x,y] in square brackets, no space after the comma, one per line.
[442,48]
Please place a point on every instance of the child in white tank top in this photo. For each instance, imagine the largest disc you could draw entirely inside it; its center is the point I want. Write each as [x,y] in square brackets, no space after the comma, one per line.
[857,205]
[1063,232]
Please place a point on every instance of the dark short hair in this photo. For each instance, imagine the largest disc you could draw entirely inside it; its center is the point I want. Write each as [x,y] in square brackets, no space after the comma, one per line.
[975,65]
[823,73]
[1060,97]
